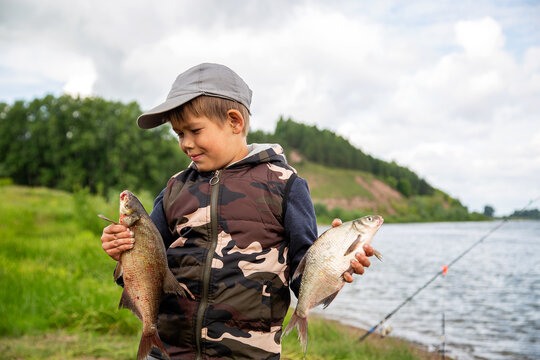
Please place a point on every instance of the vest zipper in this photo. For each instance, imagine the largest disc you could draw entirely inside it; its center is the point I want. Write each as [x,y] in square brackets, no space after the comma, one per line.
[214,183]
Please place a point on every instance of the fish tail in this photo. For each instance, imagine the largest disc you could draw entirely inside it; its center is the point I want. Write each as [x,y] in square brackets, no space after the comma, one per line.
[301,325]
[302,333]
[148,341]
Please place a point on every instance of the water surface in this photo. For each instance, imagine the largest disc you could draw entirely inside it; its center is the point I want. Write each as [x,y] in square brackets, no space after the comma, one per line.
[490,297]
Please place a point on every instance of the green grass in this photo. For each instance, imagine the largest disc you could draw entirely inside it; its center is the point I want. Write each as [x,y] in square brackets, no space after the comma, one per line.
[53,274]
[330,340]
[333,182]
[58,299]
[62,345]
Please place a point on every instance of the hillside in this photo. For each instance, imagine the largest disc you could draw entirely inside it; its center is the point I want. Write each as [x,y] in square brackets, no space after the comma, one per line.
[349,194]
[348,189]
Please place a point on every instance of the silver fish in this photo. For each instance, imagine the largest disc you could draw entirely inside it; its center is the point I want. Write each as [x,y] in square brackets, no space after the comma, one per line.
[323,266]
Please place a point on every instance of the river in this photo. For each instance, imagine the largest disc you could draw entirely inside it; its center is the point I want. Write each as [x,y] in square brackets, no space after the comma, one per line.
[490,297]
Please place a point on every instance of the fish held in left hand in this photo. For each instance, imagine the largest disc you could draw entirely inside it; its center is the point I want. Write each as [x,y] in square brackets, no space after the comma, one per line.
[145,272]
[324,264]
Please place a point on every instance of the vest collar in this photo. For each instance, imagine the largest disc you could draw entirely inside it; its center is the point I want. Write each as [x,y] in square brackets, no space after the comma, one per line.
[258,153]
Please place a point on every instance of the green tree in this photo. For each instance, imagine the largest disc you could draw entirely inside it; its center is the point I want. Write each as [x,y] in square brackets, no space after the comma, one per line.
[404,187]
[68,143]
[489,211]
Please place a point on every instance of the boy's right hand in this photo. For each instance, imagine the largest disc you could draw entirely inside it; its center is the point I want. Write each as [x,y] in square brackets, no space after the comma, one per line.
[116,239]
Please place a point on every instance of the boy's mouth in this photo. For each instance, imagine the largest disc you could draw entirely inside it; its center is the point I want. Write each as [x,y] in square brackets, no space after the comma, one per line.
[195,157]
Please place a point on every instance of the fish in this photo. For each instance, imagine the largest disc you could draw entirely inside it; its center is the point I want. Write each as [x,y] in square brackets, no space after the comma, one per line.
[145,272]
[323,265]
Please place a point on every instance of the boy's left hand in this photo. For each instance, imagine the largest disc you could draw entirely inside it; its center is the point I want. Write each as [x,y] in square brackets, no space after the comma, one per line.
[360,262]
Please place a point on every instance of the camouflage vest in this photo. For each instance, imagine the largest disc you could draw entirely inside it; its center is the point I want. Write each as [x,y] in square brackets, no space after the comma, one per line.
[230,253]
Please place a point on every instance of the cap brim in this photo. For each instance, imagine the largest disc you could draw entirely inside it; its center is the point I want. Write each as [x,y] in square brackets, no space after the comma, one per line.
[155,117]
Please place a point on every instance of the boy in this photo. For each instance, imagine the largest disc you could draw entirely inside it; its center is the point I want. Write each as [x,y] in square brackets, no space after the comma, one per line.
[236,224]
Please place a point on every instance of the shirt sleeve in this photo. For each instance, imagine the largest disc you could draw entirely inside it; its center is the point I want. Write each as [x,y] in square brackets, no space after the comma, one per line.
[158,217]
[300,226]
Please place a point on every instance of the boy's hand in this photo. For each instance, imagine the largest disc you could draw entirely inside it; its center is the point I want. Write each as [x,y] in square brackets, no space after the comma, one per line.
[116,239]
[360,262]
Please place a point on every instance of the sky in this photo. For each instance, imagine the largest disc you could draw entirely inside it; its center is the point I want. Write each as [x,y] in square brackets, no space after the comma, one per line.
[449,88]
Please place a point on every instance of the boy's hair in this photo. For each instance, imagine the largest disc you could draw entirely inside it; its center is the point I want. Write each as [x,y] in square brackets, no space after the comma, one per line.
[212,107]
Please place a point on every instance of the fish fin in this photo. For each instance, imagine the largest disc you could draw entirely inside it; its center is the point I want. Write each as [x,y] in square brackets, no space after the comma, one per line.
[377,254]
[147,342]
[118,270]
[107,219]
[301,325]
[300,269]
[354,245]
[126,303]
[172,286]
[326,301]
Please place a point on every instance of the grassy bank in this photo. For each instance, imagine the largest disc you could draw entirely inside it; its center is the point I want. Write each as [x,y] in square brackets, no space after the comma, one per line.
[58,300]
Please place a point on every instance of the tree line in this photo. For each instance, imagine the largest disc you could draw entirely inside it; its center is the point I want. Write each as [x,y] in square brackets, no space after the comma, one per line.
[526,214]
[330,149]
[71,143]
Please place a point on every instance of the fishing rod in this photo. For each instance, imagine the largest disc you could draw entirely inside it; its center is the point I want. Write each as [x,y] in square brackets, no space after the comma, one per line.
[441,272]
[443,334]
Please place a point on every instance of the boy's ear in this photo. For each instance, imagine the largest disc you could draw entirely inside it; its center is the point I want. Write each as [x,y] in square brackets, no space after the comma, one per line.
[236,120]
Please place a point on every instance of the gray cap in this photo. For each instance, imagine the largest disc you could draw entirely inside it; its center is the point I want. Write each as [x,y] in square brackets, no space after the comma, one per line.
[204,79]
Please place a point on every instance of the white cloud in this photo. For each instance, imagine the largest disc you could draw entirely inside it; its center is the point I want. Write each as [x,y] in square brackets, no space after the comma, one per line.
[480,37]
[80,78]
[462,122]
[39,58]
[437,86]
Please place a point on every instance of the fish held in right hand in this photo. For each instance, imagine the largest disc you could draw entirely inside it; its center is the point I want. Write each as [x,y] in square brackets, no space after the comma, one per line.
[145,272]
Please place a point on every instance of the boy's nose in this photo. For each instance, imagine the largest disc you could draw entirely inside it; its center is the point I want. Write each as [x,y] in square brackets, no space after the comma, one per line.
[186,142]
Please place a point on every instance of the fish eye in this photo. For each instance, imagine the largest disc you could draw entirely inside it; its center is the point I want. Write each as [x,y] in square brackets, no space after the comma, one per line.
[369,218]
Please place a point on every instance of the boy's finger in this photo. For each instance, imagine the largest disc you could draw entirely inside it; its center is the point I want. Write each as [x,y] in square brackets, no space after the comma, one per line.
[362,259]
[114,229]
[121,244]
[125,234]
[117,252]
[368,250]
[347,277]
[357,267]
[110,237]
[336,222]
[120,249]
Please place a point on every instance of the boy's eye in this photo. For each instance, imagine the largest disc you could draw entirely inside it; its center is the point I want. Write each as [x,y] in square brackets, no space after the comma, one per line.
[180,134]
[195,131]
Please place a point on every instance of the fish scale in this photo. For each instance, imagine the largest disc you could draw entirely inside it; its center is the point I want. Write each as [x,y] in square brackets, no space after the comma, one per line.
[323,266]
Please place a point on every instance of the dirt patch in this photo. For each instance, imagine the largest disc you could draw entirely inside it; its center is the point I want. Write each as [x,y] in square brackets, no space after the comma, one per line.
[350,204]
[382,192]
[383,196]
[295,157]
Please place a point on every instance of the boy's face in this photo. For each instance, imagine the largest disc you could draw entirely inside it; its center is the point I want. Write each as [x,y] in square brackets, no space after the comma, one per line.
[210,144]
